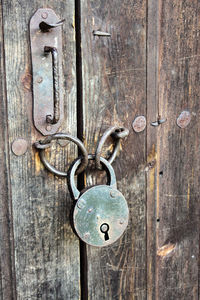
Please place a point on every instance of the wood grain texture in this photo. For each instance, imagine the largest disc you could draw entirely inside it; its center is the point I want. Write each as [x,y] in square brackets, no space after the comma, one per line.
[46,249]
[176,181]
[151,140]
[114,92]
[149,66]
[7,274]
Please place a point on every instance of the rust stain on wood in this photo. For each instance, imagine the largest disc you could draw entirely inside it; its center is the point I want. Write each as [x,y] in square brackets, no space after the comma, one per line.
[166,249]
[26,80]
[152,155]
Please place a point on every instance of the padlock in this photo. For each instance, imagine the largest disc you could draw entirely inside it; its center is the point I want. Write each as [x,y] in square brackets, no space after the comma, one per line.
[101,212]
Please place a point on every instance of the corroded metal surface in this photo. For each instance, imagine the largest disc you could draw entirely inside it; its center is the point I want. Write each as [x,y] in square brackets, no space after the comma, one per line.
[53,119]
[19,147]
[117,133]
[46,143]
[43,75]
[101,212]
[99,218]
[184,119]
[107,167]
[139,124]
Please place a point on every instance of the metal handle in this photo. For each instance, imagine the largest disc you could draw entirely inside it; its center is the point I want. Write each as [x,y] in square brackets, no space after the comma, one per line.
[56,94]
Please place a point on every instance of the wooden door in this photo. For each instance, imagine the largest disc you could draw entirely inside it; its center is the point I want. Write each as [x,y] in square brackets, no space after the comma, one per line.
[148,66]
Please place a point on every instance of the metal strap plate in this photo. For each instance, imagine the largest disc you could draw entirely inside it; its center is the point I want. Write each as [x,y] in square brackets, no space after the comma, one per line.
[42,70]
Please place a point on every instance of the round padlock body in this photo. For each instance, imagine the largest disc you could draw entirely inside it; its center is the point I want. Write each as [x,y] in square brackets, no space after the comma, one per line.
[100,215]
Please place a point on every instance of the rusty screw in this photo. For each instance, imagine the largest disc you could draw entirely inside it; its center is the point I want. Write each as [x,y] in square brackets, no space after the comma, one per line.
[113,194]
[44,15]
[184,119]
[49,127]
[39,79]
[139,124]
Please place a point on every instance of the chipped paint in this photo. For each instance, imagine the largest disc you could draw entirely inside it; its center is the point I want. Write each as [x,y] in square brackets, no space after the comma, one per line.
[166,249]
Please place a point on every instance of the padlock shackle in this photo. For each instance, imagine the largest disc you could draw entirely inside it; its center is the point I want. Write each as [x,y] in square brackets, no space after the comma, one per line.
[106,165]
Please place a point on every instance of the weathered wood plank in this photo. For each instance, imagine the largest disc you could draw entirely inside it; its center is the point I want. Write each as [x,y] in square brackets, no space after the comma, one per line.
[46,249]
[114,92]
[151,138]
[177,153]
[7,276]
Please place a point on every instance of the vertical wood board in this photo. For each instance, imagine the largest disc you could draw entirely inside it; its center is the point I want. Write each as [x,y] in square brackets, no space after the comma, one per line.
[177,153]
[151,140]
[46,249]
[7,274]
[114,93]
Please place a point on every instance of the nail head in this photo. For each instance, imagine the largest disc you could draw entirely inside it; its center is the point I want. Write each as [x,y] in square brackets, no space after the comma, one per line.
[139,124]
[49,127]
[113,194]
[39,79]
[184,119]
[44,15]
[19,147]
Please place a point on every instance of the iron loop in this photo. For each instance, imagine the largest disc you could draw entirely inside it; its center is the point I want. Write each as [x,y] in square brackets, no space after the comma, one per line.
[46,143]
[120,133]
[105,165]
[117,133]
[40,146]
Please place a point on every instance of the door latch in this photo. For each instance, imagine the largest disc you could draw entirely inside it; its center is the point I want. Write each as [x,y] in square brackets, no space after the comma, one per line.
[46,53]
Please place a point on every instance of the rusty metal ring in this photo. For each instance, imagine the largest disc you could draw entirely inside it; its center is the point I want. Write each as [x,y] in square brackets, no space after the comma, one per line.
[46,143]
[106,166]
[117,133]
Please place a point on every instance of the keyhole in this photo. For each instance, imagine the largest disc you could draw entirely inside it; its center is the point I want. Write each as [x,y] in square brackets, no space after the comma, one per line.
[104,229]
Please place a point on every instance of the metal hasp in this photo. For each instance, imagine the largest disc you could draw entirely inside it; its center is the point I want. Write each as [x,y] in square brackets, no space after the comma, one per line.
[46,52]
